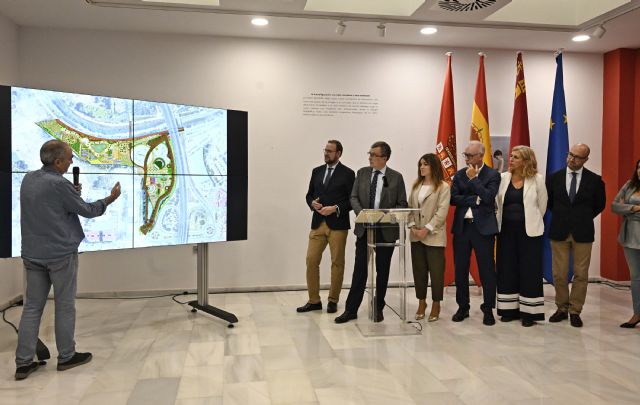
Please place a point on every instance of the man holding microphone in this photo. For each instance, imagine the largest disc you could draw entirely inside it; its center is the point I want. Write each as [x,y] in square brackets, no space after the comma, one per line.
[51,234]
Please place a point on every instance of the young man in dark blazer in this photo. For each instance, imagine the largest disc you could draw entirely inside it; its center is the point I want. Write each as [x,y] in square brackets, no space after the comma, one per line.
[576,197]
[376,186]
[474,227]
[328,198]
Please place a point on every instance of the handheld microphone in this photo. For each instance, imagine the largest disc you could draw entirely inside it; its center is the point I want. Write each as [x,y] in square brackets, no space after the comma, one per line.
[76,176]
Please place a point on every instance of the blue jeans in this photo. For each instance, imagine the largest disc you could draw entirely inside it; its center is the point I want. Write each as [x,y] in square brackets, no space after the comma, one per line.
[41,274]
[633,261]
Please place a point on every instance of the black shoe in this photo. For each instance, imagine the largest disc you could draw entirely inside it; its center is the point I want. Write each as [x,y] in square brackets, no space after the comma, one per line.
[506,318]
[78,359]
[332,307]
[488,318]
[379,316]
[346,317]
[24,371]
[310,307]
[575,320]
[528,322]
[629,325]
[460,315]
[558,316]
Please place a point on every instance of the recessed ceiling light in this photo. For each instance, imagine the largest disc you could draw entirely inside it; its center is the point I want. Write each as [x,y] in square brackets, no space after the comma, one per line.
[581,38]
[428,30]
[260,22]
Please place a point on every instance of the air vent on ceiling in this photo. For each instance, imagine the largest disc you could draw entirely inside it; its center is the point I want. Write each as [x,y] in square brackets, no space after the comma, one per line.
[465,5]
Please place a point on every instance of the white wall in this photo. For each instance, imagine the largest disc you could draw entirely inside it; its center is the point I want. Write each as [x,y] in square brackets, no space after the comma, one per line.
[269,78]
[10,269]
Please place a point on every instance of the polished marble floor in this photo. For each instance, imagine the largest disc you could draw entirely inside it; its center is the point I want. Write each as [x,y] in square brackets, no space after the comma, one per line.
[154,351]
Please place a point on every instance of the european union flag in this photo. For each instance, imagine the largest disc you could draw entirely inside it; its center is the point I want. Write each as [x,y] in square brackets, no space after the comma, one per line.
[556,157]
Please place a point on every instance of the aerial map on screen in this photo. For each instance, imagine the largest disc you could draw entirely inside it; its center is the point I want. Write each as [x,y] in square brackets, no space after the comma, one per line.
[171,161]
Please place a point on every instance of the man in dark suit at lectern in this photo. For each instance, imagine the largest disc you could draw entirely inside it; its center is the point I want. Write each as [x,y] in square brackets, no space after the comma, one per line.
[576,197]
[474,227]
[328,198]
[376,186]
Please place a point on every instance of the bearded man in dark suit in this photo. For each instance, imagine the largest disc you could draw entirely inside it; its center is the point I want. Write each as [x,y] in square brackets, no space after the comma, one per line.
[328,198]
[576,197]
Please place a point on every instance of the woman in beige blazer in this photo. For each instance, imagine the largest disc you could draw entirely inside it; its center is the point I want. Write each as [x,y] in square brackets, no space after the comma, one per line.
[431,194]
[521,203]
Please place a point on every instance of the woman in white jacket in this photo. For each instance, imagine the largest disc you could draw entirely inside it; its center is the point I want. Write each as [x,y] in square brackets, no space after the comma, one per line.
[521,203]
[431,194]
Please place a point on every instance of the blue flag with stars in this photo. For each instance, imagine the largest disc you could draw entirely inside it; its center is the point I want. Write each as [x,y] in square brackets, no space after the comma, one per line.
[556,157]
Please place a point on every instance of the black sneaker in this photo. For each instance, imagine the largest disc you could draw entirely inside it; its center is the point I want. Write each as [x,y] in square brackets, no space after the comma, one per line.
[78,359]
[24,371]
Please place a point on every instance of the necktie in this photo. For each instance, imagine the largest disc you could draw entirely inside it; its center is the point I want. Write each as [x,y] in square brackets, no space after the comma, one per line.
[373,188]
[327,177]
[573,186]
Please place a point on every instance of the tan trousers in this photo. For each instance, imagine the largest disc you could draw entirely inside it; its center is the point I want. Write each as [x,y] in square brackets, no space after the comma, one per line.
[318,240]
[560,250]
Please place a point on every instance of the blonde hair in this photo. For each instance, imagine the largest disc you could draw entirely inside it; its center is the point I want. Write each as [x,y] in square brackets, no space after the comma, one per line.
[530,164]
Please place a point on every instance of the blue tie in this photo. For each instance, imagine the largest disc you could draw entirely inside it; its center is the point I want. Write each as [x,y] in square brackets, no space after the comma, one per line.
[573,186]
[373,188]
[327,177]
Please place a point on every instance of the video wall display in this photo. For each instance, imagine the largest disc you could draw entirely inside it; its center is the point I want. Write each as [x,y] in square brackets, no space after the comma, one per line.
[180,166]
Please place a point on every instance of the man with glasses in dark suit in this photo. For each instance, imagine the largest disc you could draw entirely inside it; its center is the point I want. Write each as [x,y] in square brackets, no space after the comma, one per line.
[328,198]
[377,186]
[474,227]
[576,197]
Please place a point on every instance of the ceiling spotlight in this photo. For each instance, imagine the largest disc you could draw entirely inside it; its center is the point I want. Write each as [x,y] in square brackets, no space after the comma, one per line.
[341,27]
[382,30]
[598,32]
[428,30]
[581,38]
[260,22]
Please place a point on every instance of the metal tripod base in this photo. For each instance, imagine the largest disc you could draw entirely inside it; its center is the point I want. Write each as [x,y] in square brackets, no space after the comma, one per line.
[202,303]
[217,312]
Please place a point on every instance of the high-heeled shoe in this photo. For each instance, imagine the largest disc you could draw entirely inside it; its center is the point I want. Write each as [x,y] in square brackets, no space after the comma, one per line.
[630,325]
[435,312]
[419,317]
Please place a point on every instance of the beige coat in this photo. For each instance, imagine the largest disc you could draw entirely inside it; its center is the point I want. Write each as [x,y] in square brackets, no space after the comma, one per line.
[433,212]
[534,199]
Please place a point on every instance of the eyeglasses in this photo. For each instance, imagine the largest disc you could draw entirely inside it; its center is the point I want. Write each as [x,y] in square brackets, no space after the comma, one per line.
[576,157]
[470,155]
[329,151]
[371,154]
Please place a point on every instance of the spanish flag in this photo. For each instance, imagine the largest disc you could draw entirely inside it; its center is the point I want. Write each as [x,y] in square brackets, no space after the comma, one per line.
[480,116]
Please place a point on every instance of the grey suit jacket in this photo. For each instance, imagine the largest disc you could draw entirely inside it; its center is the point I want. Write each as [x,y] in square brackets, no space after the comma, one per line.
[393,195]
[629,235]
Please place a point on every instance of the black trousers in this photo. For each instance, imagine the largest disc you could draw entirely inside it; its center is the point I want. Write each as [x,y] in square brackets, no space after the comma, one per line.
[360,274]
[519,273]
[483,246]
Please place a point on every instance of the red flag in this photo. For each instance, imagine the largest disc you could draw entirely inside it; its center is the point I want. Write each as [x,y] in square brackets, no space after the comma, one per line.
[520,121]
[446,152]
[446,141]
[480,116]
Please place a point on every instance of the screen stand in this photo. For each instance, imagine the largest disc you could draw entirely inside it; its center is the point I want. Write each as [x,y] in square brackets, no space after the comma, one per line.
[202,303]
